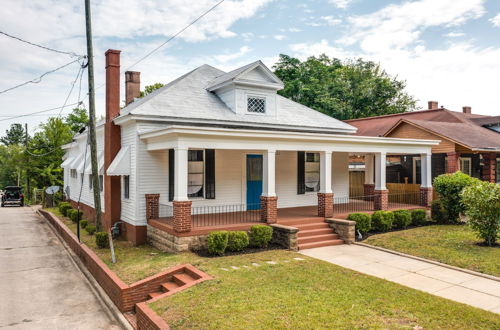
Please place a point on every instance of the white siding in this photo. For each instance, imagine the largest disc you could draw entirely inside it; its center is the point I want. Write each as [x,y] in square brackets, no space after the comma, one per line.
[129,206]
[340,174]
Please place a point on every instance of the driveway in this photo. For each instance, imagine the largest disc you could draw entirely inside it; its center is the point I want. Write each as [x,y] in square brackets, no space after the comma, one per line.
[40,287]
[444,282]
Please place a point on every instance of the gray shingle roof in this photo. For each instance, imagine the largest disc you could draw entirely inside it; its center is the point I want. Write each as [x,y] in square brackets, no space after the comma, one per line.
[187,97]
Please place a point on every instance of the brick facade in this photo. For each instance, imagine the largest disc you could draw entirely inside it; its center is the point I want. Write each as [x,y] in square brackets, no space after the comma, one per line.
[453,161]
[182,216]
[426,195]
[488,172]
[381,199]
[325,205]
[368,191]
[147,319]
[269,209]
[152,206]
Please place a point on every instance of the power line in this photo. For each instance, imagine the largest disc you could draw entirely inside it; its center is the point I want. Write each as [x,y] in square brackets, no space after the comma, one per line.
[72,54]
[39,112]
[39,79]
[80,71]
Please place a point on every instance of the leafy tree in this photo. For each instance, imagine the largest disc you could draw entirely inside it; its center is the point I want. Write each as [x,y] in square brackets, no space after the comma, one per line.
[77,119]
[12,160]
[150,89]
[14,135]
[344,90]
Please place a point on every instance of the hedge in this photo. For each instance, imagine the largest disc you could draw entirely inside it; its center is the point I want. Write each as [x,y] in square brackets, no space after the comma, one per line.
[363,221]
[382,220]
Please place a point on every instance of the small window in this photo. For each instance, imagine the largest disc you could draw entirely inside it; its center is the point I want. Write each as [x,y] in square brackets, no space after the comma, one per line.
[497,167]
[256,104]
[101,182]
[91,181]
[73,173]
[466,166]
[311,171]
[195,173]
[126,186]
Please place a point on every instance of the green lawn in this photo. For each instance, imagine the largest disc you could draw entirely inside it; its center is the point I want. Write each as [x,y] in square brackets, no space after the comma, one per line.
[293,293]
[454,245]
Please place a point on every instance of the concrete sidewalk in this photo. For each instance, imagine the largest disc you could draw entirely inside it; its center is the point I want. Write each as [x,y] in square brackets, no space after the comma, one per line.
[444,282]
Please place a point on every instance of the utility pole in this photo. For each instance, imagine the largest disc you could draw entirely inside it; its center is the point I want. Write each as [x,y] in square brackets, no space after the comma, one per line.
[93,143]
[27,164]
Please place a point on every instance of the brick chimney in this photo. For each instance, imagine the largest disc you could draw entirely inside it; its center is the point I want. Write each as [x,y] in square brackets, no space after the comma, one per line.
[132,86]
[466,109]
[432,105]
[112,138]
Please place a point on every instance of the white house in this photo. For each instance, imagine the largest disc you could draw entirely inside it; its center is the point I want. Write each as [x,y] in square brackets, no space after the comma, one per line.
[222,150]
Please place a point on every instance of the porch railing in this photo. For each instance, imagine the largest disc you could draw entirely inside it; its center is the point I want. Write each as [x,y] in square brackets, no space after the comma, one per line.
[403,199]
[166,210]
[217,215]
[352,204]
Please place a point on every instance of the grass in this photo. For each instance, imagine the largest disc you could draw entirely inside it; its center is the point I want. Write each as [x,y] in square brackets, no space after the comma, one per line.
[455,245]
[291,294]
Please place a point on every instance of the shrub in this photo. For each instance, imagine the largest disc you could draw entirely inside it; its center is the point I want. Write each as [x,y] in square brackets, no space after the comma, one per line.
[75,215]
[402,218]
[217,242]
[69,213]
[418,217]
[102,240]
[482,201]
[64,207]
[83,223]
[260,235]
[449,187]
[363,221]
[91,229]
[438,212]
[382,220]
[237,240]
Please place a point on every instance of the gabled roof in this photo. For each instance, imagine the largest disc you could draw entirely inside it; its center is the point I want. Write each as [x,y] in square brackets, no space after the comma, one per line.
[458,127]
[187,99]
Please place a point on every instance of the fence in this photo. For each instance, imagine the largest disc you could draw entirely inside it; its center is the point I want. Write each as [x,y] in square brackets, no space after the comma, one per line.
[403,199]
[343,205]
[216,215]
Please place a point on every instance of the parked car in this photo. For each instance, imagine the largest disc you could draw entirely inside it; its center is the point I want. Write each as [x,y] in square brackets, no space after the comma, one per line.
[13,195]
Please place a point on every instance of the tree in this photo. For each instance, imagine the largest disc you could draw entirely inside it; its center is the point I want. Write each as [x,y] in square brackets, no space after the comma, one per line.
[150,89]
[14,135]
[77,119]
[343,90]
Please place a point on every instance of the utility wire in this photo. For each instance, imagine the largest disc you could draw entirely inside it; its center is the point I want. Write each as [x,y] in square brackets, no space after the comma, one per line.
[39,79]
[39,112]
[72,54]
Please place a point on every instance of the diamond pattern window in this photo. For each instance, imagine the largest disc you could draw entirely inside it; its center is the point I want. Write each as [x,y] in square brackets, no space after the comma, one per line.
[256,104]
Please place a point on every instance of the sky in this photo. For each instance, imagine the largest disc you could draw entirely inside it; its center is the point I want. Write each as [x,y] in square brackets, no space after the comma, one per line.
[446,50]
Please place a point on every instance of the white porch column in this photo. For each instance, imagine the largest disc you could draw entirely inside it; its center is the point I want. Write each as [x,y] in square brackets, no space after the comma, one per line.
[380,164]
[181,174]
[426,170]
[368,169]
[325,172]
[269,170]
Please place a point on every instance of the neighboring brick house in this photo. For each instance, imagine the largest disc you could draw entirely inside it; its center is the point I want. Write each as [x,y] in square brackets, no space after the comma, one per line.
[469,142]
[220,150]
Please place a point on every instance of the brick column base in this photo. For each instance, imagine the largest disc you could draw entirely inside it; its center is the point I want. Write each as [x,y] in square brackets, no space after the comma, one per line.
[269,209]
[368,191]
[426,196]
[182,216]
[488,172]
[152,206]
[325,205]
[381,199]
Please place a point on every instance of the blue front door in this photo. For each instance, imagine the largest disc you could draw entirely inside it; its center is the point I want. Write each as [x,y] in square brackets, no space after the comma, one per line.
[254,181]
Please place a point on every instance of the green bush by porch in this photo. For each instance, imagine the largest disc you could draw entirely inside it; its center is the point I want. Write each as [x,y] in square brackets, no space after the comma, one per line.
[363,221]
[382,220]
[260,235]
[402,219]
[217,242]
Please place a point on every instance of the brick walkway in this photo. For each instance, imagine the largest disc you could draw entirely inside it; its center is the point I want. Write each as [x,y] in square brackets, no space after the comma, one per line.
[441,281]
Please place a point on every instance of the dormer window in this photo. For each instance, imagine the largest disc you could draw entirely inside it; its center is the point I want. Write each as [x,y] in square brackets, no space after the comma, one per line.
[256,104]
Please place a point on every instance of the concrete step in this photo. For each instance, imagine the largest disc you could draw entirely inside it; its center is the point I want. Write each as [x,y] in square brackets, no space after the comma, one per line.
[169,286]
[154,294]
[182,279]
[319,225]
[314,232]
[318,238]
[320,244]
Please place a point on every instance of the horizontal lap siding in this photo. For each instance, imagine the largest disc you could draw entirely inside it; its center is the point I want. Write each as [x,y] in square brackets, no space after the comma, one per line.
[340,174]
[286,182]
[128,206]
[408,131]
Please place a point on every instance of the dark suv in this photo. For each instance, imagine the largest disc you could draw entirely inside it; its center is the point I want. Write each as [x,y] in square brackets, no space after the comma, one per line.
[13,195]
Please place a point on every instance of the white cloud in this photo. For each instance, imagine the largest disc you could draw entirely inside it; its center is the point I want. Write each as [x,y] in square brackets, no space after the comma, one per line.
[397,26]
[229,57]
[293,29]
[454,34]
[279,37]
[304,50]
[495,20]
[330,20]
[342,4]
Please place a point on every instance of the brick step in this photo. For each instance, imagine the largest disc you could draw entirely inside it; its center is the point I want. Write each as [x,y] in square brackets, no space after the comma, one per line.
[131,318]
[154,294]
[320,244]
[311,226]
[318,238]
[314,232]
[182,279]
[169,286]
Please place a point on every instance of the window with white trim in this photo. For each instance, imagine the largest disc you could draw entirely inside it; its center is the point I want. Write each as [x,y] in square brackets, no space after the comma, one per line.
[466,165]
[196,173]
[126,186]
[497,170]
[73,173]
[256,104]
[311,171]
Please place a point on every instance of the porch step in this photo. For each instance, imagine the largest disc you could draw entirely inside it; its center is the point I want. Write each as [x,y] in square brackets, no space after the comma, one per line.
[320,244]
[305,221]
[318,238]
[311,226]
[314,232]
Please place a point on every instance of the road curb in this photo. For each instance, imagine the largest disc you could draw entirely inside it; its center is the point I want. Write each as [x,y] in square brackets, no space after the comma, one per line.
[437,263]
[96,289]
